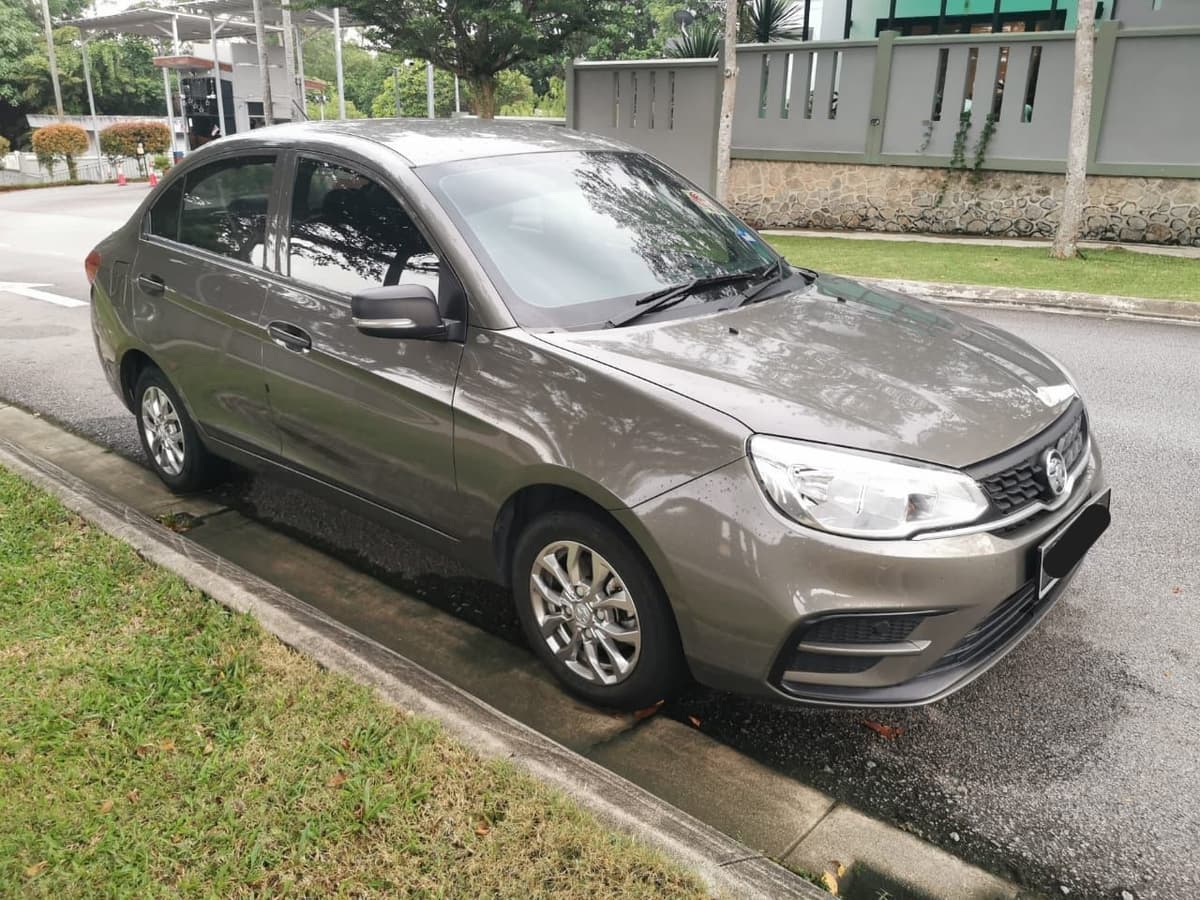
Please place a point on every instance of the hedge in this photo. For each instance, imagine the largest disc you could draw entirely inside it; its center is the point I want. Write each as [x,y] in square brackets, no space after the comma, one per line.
[61,141]
[121,140]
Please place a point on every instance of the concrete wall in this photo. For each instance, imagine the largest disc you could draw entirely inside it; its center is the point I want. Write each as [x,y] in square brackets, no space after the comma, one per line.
[791,194]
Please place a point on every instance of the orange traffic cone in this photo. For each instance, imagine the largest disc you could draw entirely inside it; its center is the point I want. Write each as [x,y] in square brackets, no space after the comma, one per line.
[153,179]
[121,177]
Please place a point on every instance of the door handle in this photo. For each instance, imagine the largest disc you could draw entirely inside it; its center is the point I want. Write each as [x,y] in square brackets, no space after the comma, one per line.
[289,336]
[151,284]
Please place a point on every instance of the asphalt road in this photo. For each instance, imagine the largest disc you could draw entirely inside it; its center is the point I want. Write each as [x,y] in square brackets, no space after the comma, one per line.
[1074,763]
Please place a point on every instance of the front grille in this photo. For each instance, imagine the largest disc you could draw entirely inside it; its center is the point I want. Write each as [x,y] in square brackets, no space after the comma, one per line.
[1022,481]
[1001,624]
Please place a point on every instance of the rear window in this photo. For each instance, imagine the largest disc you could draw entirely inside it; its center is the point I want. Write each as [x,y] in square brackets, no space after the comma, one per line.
[164,214]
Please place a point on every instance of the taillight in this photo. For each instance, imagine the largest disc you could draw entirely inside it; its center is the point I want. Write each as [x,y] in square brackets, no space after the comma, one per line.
[91,265]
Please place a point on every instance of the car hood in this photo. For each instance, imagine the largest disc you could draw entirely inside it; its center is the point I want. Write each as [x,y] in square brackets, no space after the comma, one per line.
[844,364]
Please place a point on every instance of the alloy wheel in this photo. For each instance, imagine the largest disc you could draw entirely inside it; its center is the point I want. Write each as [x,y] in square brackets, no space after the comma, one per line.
[584,612]
[163,431]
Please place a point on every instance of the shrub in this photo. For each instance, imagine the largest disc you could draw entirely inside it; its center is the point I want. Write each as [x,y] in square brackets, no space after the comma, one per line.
[62,141]
[121,140]
[162,162]
[5,146]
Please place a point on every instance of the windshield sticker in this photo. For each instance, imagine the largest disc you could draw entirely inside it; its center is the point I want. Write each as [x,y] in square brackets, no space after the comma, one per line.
[748,236]
[703,202]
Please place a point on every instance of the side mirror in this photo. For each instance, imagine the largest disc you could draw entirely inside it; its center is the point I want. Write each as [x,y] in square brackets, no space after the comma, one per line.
[398,311]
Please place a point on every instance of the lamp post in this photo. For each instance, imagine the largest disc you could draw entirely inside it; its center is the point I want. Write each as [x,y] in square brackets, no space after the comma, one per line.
[50,55]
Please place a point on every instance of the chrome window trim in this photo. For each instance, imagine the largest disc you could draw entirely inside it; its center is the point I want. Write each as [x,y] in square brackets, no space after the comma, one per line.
[1021,515]
[384,323]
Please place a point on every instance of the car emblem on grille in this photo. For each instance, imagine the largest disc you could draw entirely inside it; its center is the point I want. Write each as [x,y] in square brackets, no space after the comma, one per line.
[1056,471]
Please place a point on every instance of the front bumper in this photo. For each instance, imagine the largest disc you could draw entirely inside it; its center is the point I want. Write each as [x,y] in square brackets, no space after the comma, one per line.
[748,585]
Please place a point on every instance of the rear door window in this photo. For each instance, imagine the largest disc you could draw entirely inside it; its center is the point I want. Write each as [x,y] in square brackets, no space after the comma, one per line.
[164,214]
[224,208]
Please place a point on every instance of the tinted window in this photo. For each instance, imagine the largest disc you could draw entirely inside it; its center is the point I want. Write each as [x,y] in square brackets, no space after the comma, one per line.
[573,237]
[348,232]
[164,214]
[225,207]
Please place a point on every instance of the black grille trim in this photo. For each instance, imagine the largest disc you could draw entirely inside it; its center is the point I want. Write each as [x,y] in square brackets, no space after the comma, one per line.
[862,629]
[823,664]
[1015,480]
[1001,624]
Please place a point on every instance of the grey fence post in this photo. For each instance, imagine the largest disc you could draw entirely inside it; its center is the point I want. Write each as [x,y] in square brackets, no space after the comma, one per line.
[569,91]
[1106,50]
[879,96]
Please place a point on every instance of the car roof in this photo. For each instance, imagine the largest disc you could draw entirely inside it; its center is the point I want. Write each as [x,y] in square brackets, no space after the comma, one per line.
[423,142]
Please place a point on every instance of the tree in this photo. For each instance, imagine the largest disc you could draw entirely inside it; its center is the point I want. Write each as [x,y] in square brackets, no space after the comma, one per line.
[120,141]
[362,71]
[728,88]
[1075,190]
[413,94]
[59,142]
[476,39]
[764,21]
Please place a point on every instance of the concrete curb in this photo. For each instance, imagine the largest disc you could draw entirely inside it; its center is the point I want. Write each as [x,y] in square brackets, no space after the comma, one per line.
[728,867]
[1046,301]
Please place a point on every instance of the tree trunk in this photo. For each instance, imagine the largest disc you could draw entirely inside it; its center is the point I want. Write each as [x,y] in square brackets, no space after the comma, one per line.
[485,99]
[264,73]
[728,58]
[1075,191]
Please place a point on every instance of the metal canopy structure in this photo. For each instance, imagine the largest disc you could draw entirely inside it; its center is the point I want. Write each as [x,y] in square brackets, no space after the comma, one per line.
[203,21]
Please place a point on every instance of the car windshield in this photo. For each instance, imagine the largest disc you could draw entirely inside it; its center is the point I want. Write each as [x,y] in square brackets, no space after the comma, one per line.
[575,238]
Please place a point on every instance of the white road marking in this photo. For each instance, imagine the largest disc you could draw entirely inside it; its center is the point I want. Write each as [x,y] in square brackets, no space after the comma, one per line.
[31,291]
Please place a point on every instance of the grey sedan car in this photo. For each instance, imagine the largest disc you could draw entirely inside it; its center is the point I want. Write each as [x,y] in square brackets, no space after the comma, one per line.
[548,354]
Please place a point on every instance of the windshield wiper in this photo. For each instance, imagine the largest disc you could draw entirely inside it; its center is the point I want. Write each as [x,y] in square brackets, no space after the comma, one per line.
[774,276]
[666,297]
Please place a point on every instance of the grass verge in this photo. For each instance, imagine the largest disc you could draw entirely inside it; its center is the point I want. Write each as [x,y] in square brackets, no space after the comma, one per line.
[1111,271]
[152,743]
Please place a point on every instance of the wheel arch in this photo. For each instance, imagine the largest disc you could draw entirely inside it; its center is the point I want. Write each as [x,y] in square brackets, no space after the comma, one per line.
[133,362]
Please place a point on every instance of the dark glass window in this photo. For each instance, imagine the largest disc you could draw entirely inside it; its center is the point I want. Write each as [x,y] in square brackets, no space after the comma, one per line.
[225,207]
[164,214]
[348,232]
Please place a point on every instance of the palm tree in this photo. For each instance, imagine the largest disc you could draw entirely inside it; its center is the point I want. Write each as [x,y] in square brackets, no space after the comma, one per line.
[700,41]
[764,21]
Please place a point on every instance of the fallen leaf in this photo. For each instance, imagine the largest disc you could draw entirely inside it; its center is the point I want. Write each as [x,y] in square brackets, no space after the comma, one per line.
[336,780]
[142,749]
[830,881]
[695,722]
[208,747]
[1177,590]
[167,744]
[891,732]
[36,869]
[106,807]
[841,870]
[346,744]
[482,829]
[134,797]
[648,711]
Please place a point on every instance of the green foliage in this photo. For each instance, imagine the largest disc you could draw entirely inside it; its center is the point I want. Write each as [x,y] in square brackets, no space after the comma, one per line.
[363,71]
[162,162]
[553,103]
[59,142]
[981,147]
[763,21]
[412,93]
[480,38]
[699,41]
[5,146]
[331,109]
[124,79]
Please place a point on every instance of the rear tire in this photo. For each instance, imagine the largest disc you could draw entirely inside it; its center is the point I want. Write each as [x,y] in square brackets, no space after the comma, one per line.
[168,435]
[594,612]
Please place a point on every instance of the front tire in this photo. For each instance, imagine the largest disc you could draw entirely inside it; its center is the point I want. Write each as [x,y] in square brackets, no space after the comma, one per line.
[594,612]
[169,437]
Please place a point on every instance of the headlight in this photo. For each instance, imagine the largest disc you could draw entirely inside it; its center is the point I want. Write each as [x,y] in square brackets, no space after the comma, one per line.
[862,494]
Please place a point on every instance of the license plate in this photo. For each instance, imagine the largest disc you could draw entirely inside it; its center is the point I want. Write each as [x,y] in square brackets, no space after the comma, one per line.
[1061,552]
